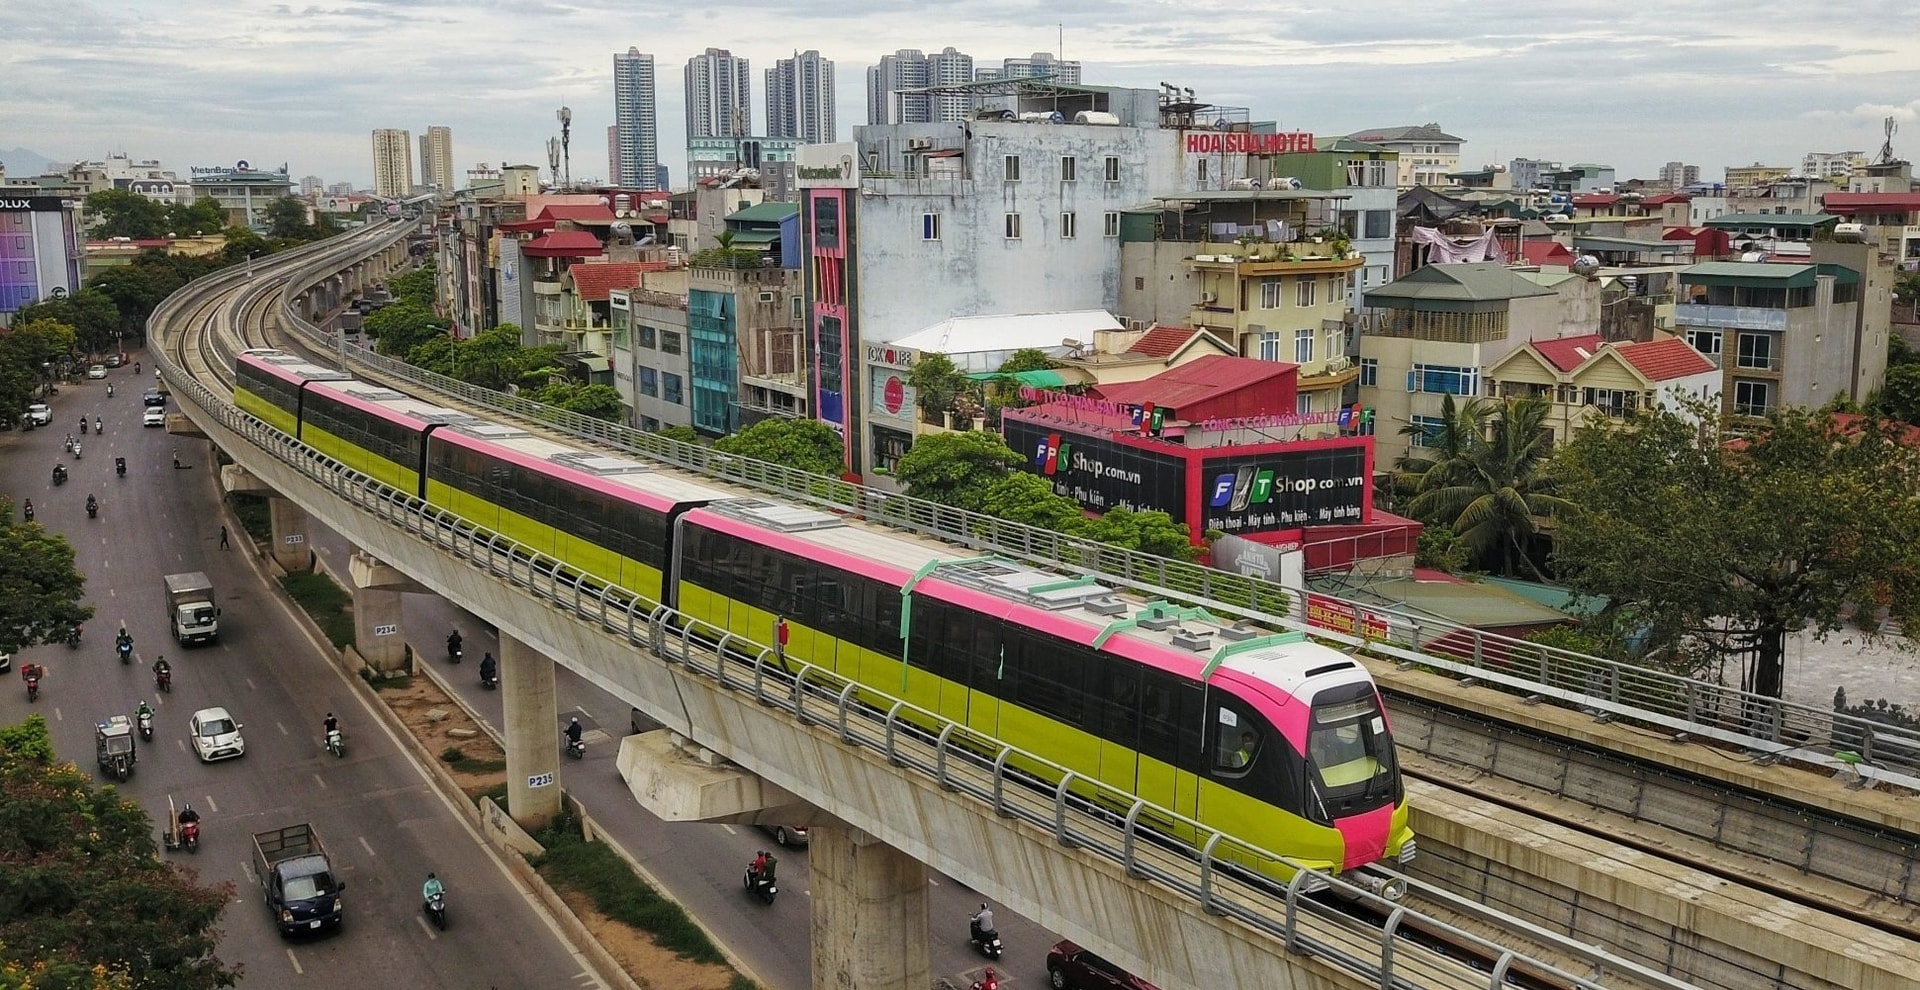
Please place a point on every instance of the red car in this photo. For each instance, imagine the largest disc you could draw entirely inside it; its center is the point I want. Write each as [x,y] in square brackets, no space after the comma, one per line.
[1069,967]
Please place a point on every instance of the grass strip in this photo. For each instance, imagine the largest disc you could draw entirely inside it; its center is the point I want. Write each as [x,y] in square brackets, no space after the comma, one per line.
[458,760]
[593,869]
[325,601]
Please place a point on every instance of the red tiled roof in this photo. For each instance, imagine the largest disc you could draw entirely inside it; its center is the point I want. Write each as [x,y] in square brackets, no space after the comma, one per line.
[1665,198]
[1596,199]
[535,226]
[563,244]
[592,282]
[1665,360]
[1197,380]
[1162,341]
[1545,252]
[1566,353]
[1838,202]
[577,212]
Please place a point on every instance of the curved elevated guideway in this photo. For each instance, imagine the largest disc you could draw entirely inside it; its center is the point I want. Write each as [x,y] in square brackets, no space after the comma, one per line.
[1170,912]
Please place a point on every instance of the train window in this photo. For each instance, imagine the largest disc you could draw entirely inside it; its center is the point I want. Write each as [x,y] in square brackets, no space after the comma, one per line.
[1237,739]
[1114,688]
[1163,726]
[1050,675]
[1348,743]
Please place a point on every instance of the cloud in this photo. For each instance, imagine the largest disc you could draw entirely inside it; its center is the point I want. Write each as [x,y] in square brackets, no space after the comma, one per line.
[188,82]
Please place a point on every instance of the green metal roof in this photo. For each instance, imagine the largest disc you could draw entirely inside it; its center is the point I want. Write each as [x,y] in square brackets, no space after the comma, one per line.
[1629,243]
[1774,220]
[1039,378]
[1764,275]
[1478,286]
[755,236]
[765,213]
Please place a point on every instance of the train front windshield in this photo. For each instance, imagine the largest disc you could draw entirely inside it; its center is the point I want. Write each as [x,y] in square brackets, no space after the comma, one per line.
[1351,754]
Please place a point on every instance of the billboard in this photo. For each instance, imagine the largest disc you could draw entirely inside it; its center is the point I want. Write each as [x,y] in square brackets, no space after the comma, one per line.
[1099,473]
[1325,485]
[827,166]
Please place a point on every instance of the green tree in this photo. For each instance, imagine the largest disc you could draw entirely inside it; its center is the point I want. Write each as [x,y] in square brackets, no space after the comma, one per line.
[490,359]
[1030,500]
[202,216]
[1790,527]
[40,590]
[1907,286]
[84,886]
[123,213]
[435,354]
[1027,359]
[681,433]
[802,444]
[242,245]
[938,382]
[287,218]
[415,286]
[955,468]
[1497,493]
[401,327]
[1900,396]
[137,288]
[26,351]
[91,313]
[1152,532]
[598,401]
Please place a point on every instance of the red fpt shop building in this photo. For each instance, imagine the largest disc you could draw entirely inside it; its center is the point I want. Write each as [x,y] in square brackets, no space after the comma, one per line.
[1216,444]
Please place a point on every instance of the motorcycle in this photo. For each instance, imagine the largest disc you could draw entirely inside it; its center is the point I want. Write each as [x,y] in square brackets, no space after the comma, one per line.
[120,466]
[146,726]
[163,679]
[29,513]
[73,637]
[576,748]
[985,941]
[76,451]
[99,427]
[760,885]
[489,679]
[59,475]
[190,836]
[436,908]
[93,510]
[336,743]
[454,652]
[33,687]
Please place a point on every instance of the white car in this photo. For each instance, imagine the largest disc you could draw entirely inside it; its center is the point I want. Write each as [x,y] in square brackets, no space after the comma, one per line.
[154,416]
[216,736]
[97,371]
[40,414]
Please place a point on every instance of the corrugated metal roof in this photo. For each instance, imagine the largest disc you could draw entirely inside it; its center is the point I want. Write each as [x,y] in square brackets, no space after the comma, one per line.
[1476,282]
[765,212]
[1198,380]
[1773,220]
[962,335]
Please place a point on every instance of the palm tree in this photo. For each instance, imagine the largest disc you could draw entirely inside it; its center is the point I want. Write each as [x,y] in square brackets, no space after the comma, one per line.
[1496,493]
[1460,426]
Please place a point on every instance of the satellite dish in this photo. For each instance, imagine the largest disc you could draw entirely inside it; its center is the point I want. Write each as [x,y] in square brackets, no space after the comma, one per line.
[1220,124]
[1586,265]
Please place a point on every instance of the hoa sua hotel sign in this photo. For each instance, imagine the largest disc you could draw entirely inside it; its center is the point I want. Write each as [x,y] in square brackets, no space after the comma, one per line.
[1243,143]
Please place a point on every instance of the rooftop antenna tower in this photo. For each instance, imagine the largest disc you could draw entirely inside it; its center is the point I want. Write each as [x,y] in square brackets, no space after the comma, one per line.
[566,137]
[1889,125]
[553,158]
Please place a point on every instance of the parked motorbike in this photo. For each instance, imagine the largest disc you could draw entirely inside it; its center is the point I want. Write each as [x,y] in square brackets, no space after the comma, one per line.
[760,885]
[986,941]
[436,908]
[336,743]
[146,726]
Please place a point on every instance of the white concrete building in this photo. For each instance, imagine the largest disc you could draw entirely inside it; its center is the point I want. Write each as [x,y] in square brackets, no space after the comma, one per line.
[436,158]
[719,94]
[1427,153]
[911,224]
[636,121]
[800,99]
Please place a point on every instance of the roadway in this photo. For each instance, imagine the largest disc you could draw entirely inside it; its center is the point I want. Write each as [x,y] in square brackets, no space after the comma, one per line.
[696,864]
[382,821]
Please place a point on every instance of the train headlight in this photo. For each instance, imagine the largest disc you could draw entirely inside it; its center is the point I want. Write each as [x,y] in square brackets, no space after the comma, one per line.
[1385,888]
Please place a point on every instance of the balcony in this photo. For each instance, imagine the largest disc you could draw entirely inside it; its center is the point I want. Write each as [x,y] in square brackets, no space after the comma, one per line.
[1264,258]
[1730,317]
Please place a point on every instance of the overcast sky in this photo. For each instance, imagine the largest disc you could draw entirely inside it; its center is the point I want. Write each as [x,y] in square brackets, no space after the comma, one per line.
[193,82]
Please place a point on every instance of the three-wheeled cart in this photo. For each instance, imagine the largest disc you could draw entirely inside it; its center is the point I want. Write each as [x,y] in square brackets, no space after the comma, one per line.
[113,743]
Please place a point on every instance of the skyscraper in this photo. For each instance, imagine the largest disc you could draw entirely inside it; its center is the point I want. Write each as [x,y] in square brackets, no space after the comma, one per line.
[1041,64]
[719,95]
[436,158]
[392,162]
[635,120]
[904,69]
[613,153]
[800,98]
[908,69]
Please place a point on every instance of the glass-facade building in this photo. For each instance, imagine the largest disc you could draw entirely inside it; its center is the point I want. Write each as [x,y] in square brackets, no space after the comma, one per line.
[714,360]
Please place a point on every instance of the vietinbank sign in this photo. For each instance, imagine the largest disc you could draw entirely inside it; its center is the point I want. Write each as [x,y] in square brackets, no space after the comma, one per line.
[827,166]
[1243,143]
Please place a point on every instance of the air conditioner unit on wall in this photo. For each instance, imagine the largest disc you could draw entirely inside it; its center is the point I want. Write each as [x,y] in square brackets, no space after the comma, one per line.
[1208,298]
[919,144]
[766,297]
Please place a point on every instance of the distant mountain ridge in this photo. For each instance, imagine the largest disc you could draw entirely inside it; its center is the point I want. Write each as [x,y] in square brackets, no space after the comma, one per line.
[22,162]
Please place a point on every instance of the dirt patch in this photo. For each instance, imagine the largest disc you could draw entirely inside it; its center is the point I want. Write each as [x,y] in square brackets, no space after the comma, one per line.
[648,964]
[413,703]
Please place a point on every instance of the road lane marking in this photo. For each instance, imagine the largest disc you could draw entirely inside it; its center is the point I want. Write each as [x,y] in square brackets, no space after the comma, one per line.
[211,806]
[250,685]
[282,728]
[730,830]
[295,960]
[320,780]
[426,927]
[368,848]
